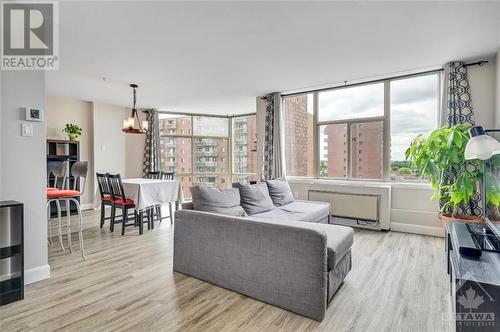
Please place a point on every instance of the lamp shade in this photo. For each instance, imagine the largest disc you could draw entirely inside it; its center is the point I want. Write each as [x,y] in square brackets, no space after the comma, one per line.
[480,145]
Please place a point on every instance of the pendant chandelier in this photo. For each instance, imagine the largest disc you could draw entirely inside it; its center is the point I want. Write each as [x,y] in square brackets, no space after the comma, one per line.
[133,125]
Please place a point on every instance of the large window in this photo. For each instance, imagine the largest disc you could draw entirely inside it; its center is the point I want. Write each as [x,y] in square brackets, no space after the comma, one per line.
[350,122]
[197,149]
[357,128]
[244,130]
[175,148]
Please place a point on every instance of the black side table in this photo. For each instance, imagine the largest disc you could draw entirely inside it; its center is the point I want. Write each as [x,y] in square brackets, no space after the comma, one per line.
[11,252]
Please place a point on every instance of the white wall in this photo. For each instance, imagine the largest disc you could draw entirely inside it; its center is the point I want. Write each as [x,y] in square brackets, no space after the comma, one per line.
[135,153]
[497,90]
[411,209]
[23,170]
[62,110]
[482,87]
[109,140]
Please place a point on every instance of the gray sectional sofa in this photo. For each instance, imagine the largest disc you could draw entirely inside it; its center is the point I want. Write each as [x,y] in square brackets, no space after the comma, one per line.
[288,256]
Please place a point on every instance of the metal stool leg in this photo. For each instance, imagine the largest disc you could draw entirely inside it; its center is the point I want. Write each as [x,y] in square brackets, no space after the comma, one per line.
[171,213]
[80,228]
[49,229]
[68,224]
[59,228]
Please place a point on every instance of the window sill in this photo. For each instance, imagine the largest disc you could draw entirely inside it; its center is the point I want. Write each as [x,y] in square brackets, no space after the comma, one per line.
[361,183]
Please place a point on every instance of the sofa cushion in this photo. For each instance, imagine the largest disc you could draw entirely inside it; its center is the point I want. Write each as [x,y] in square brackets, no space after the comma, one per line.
[339,239]
[255,198]
[223,201]
[280,191]
[299,211]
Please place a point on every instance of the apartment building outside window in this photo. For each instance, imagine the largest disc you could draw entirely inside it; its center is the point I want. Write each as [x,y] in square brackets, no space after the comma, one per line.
[299,135]
[244,136]
[359,132]
[196,148]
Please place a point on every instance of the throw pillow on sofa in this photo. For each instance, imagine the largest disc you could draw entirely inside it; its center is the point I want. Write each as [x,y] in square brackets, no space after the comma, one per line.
[280,191]
[223,201]
[255,198]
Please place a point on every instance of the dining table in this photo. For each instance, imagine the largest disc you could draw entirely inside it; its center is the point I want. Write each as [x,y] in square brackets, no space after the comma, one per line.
[152,192]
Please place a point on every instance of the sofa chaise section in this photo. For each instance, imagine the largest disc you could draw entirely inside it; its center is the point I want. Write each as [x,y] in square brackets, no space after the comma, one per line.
[317,212]
[279,262]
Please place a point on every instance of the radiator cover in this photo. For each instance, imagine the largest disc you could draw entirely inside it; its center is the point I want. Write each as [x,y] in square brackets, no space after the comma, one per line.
[349,205]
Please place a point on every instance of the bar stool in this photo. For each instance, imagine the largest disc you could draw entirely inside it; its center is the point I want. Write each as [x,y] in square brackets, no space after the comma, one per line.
[78,170]
[60,172]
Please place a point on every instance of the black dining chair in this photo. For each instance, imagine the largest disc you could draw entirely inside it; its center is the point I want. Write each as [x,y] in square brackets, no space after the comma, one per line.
[167,175]
[155,212]
[120,201]
[106,198]
[154,175]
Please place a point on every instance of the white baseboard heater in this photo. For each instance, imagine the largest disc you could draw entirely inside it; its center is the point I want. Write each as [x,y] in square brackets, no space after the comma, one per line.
[349,205]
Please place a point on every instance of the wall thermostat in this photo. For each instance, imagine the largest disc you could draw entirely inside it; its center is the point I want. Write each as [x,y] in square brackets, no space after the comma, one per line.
[34,114]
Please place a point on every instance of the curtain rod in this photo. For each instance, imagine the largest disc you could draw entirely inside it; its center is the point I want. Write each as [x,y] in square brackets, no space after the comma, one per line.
[223,116]
[478,63]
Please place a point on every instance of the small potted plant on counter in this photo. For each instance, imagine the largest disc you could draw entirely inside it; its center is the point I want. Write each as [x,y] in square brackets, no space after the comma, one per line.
[442,152]
[73,131]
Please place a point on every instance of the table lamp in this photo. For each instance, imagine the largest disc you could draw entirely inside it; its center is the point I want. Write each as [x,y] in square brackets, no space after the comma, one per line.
[480,145]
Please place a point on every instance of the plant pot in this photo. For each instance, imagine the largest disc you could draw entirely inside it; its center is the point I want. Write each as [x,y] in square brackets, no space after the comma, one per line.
[73,137]
[445,218]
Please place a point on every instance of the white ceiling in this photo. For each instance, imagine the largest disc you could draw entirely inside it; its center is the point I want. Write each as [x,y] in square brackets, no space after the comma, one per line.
[216,57]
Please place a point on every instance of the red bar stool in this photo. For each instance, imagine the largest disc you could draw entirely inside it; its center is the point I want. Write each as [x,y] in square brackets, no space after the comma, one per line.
[78,170]
[60,172]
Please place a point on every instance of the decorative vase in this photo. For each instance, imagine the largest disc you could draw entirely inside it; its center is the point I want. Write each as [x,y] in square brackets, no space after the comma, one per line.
[73,137]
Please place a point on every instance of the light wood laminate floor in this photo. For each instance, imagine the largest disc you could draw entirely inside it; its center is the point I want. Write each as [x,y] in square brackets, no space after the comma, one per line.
[398,283]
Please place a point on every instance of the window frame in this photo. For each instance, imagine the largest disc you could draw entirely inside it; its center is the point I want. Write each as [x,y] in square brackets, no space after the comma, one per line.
[385,119]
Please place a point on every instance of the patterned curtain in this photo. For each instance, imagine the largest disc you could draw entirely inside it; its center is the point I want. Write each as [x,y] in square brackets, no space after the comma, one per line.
[272,163]
[151,160]
[458,103]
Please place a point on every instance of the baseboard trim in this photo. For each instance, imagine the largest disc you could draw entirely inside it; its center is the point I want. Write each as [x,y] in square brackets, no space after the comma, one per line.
[36,274]
[88,206]
[417,229]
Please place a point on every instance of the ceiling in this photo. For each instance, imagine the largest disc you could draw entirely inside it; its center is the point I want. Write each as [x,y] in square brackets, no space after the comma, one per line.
[216,57]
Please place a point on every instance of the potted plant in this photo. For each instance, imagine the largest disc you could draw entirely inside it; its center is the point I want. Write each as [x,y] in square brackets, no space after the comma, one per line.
[73,131]
[443,151]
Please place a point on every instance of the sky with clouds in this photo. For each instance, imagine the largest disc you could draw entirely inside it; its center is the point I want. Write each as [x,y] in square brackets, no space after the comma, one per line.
[414,108]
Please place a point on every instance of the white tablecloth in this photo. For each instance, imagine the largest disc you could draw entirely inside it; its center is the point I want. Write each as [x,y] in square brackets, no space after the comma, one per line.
[149,192]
